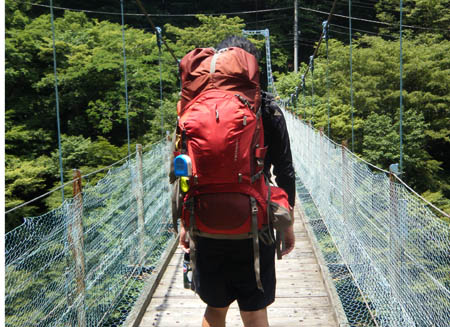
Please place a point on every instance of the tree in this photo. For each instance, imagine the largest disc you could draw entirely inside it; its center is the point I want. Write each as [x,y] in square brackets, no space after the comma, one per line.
[376,78]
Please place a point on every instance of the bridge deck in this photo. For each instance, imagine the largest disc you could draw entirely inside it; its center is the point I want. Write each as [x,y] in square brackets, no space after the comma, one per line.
[302,297]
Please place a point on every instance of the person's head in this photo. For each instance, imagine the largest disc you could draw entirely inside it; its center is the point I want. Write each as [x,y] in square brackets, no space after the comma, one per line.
[239,42]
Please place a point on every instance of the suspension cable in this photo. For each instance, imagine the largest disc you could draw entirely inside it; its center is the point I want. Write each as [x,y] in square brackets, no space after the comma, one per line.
[125,75]
[304,100]
[321,35]
[158,42]
[141,7]
[401,87]
[326,35]
[57,102]
[311,68]
[351,67]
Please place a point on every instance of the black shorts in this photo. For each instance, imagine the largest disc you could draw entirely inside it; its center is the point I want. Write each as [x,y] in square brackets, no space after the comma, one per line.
[225,272]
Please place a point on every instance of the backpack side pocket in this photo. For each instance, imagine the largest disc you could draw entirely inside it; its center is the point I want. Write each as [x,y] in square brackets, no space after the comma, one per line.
[279,212]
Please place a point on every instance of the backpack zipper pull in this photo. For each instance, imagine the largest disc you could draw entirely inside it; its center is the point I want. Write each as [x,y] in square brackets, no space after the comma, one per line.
[245,120]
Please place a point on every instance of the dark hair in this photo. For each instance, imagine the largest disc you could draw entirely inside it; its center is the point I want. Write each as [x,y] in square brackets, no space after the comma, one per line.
[239,42]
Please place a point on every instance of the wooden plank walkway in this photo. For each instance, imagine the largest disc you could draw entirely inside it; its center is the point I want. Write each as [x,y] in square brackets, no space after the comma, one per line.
[302,297]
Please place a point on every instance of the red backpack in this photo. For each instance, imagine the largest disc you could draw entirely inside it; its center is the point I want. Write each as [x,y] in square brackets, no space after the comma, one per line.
[220,128]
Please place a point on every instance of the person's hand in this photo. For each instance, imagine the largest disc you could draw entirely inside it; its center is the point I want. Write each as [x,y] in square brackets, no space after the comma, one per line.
[289,236]
[289,240]
[184,242]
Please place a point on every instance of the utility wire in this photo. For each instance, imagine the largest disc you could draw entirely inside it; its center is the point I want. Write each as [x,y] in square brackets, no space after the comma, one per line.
[236,13]
[375,21]
[162,15]
[362,31]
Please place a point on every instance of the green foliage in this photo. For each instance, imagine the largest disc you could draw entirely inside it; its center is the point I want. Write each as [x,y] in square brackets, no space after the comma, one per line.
[92,91]
[376,77]
[211,31]
[430,15]
[91,86]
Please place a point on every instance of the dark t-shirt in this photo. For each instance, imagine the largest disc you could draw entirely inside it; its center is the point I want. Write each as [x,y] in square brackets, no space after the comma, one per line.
[279,155]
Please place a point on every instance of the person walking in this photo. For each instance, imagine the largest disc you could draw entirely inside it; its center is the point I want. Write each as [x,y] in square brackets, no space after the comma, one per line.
[225,269]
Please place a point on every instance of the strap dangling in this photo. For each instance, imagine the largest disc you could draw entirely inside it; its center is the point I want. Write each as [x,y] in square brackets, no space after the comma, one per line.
[279,240]
[192,246]
[256,243]
[269,190]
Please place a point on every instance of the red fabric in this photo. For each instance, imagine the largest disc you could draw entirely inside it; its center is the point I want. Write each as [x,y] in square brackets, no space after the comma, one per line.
[279,196]
[236,70]
[223,138]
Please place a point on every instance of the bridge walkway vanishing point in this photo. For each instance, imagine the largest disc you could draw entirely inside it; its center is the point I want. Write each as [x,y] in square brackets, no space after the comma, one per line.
[305,295]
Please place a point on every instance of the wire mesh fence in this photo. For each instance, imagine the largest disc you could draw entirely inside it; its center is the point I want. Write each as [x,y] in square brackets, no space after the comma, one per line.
[75,265]
[387,250]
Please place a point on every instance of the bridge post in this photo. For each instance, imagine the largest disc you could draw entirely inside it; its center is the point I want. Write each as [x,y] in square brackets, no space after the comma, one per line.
[395,246]
[322,176]
[345,185]
[140,203]
[75,237]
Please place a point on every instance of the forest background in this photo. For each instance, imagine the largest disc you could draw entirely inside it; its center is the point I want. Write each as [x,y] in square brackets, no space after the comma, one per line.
[92,98]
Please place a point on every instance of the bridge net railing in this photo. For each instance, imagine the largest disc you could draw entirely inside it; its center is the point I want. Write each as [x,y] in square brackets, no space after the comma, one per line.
[386,249]
[84,262]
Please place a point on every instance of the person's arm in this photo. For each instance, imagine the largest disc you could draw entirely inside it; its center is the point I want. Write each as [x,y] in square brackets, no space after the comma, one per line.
[280,156]
[279,149]
[289,237]
[184,241]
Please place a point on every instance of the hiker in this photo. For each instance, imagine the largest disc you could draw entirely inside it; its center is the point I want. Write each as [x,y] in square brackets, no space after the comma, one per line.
[231,265]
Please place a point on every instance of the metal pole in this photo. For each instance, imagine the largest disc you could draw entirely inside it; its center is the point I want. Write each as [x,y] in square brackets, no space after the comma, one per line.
[140,203]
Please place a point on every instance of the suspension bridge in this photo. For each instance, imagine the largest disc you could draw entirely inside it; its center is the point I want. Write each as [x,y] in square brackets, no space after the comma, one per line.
[370,251]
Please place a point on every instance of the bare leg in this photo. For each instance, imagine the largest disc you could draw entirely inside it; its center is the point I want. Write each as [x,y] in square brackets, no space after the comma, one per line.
[214,317]
[255,318]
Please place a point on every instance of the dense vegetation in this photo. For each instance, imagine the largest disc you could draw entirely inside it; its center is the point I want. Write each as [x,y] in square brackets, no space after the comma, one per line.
[91,85]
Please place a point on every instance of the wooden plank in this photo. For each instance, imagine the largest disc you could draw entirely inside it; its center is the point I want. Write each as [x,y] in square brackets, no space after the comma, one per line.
[340,315]
[137,313]
[161,304]
[302,298]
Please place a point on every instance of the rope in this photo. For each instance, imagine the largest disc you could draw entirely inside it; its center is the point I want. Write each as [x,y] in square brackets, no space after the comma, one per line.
[125,75]
[158,41]
[57,102]
[401,87]
[40,197]
[351,68]
[127,158]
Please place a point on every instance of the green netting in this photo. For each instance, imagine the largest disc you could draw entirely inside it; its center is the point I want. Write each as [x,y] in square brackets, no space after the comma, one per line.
[74,265]
[387,251]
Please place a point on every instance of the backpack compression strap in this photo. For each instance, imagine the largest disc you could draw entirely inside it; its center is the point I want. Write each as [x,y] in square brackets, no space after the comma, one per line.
[192,246]
[256,243]
[255,237]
